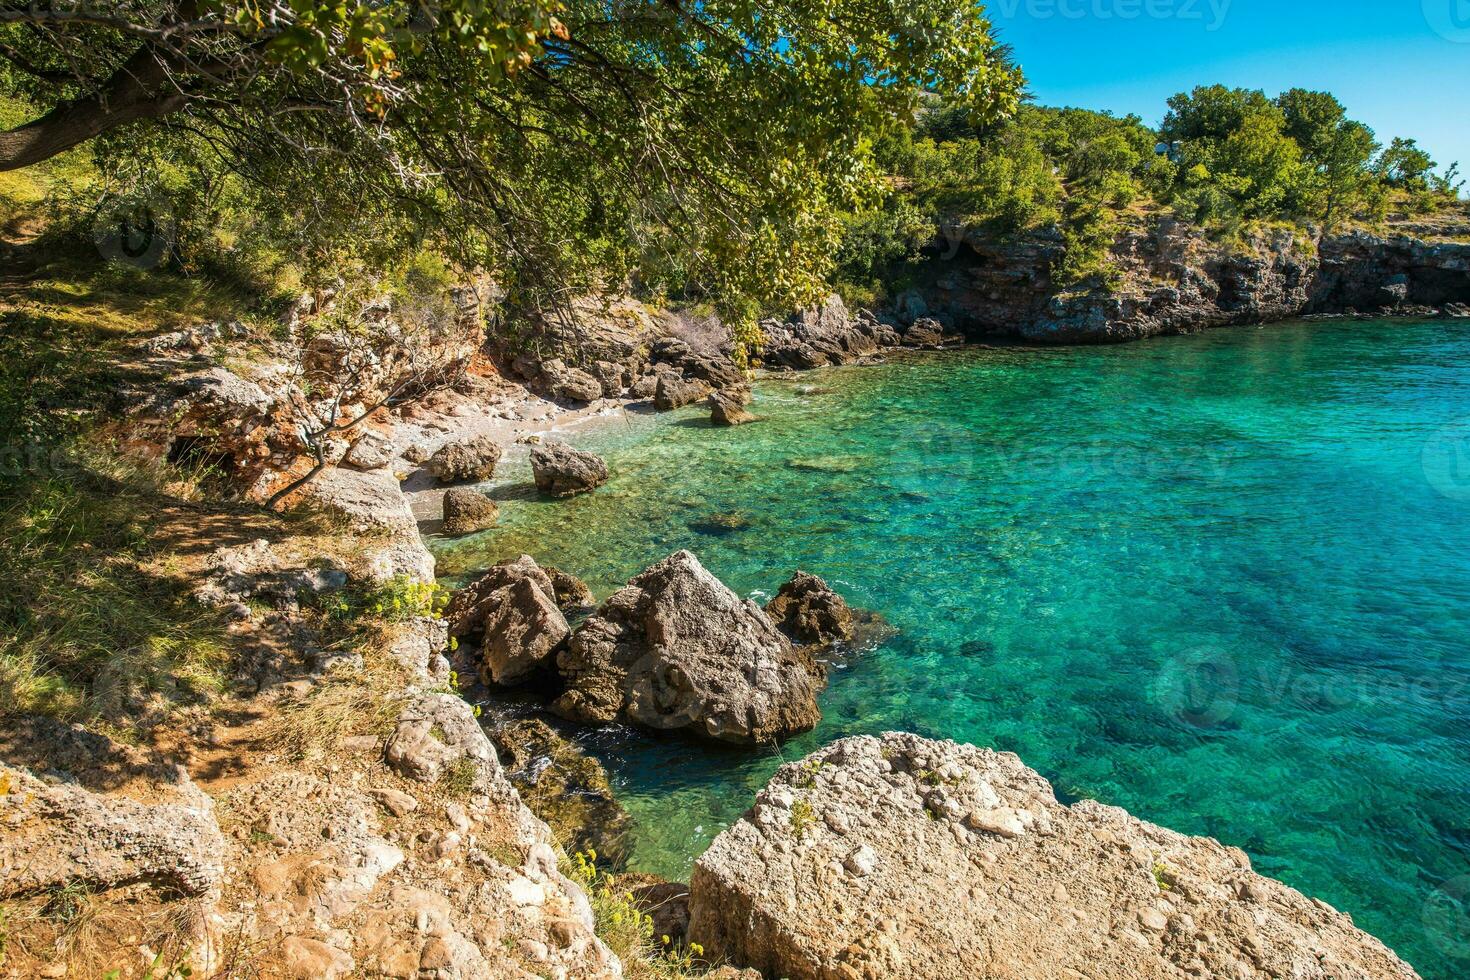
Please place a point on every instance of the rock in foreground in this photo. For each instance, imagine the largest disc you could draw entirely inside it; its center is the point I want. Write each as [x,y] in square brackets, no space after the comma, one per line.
[58,836]
[677,650]
[904,857]
[563,471]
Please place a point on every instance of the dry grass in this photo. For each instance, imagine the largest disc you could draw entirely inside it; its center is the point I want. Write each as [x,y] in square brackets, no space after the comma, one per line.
[364,702]
[85,631]
[100,936]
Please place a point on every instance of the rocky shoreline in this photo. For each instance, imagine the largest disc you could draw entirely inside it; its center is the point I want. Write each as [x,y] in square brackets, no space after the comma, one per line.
[409,841]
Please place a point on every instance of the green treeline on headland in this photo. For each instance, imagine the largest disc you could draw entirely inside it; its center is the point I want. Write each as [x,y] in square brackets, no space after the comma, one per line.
[1223,158]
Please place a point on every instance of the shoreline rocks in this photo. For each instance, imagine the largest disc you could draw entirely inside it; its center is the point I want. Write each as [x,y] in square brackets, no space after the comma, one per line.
[467,511]
[727,407]
[901,856]
[561,471]
[565,787]
[469,460]
[512,612]
[676,650]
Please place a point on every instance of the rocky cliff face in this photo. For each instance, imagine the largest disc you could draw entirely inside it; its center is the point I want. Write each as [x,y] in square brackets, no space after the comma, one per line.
[1172,279]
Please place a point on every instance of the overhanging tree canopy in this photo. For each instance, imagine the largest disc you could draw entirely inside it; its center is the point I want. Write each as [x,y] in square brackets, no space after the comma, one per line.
[707,141]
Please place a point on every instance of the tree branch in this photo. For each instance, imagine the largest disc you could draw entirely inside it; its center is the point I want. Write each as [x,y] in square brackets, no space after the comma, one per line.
[139,89]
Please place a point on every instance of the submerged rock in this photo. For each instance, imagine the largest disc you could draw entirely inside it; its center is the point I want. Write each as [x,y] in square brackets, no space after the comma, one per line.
[565,787]
[467,461]
[562,471]
[467,511]
[677,650]
[722,524]
[904,857]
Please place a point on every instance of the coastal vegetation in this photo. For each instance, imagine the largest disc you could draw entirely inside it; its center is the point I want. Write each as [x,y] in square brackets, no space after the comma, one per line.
[1224,159]
[250,243]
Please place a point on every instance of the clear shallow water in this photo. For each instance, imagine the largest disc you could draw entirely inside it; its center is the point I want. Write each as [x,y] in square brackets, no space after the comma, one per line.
[1222,581]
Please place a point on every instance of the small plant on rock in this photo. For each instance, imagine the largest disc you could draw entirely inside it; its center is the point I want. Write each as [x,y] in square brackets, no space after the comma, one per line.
[459,779]
[802,818]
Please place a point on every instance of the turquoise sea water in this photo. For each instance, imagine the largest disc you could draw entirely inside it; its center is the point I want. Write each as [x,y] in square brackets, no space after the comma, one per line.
[1222,581]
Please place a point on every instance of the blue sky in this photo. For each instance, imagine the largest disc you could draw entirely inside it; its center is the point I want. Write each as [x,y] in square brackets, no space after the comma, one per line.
[1401,66]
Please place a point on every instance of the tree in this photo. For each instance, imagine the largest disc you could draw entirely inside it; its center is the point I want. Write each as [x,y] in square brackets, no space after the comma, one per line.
[1312,119]
[1337,151]
[549,143]
[1233,144]
[1347,182]
[1403,164]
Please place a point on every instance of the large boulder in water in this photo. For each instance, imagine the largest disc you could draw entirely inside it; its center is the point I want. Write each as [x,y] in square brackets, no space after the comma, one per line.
[512,612]
[807,610]
[727,407]
[904,857]
[467,511]
[677,650]
[562,471]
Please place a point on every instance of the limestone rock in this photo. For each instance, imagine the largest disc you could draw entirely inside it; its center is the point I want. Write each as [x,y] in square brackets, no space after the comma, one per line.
[727,407]
[569,383]
[562,471]
[54,835]
[371,451]
[924,332]
[367,501]
[467,511]
[808,611]
[472,605]
[436,732]
[677,650]
[900,856]
[467,461]
[674,392]
[523,632]
[572,594]
[711,366]
[818,336]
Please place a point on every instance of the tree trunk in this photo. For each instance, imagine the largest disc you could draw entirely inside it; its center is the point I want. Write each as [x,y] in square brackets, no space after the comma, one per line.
[139,89]
[297,483]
